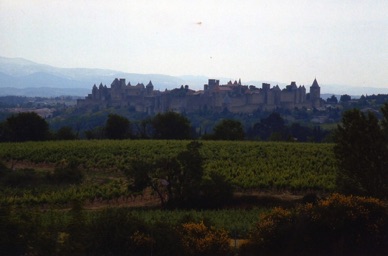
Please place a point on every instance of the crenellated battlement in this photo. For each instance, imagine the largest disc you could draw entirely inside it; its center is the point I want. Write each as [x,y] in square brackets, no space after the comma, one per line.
[234,96]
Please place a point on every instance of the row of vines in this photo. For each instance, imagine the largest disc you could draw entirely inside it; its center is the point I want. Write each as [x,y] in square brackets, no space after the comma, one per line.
[247,165]
[296,166]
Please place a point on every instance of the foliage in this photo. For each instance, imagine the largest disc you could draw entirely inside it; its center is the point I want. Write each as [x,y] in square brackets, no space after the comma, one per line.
[5,132]
[27,126]
[228,129]
[384,121]
[117,127]
[338,225]
[345,98]
[198,239]
[274,128]
[66,172]
[171,126]
[11,243]
[20,178]
[111,231]
[144,129]
[273,125]
[216,191]
[333,99]
[65,133]
[362,153]
[177,180]
[259,165]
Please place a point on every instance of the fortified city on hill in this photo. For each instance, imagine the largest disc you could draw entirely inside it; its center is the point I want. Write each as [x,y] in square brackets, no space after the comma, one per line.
[233,96]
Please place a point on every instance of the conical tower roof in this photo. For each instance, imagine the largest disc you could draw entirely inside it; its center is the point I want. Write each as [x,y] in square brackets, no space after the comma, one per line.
[315,83]
[149,84]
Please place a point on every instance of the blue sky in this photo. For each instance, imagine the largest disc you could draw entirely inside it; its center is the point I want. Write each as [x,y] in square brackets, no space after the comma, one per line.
[339,42]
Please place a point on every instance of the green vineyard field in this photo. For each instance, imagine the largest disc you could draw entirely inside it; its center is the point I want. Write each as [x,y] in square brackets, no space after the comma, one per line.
[248,165]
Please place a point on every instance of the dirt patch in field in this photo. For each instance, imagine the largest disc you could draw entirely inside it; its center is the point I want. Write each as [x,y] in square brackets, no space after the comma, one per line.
[29,165]
[145,202]
[240,201]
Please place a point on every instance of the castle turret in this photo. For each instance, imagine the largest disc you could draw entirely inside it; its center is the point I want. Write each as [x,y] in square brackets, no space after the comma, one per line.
[117,87]
[213,84]
[122,82]
[315,94]
[149,87]
[95,92]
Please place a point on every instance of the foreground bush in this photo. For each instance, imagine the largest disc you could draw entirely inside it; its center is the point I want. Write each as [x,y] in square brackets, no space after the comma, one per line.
[338,225]
[198,239]
[113,231]
[66,172]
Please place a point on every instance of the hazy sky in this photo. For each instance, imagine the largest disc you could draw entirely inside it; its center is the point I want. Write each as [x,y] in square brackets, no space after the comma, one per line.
[337,41]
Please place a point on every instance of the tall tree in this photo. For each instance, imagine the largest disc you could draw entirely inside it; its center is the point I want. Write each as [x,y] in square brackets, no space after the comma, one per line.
[384,122]
[273,125]
[27,126]
[333,99]
[65,133]
[176,180]
[117,127]
[179,181]
[362,153]
[229,129]
[171,125]
[345,98]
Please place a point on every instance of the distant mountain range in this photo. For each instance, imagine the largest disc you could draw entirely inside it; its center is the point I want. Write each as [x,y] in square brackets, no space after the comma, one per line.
[26,78]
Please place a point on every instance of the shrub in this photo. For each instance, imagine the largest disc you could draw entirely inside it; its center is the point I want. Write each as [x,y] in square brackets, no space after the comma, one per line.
[66,172]
[11,242]
[198,239]
[113,232]
[338,225]
[216,191]
[164,240]
[19,178]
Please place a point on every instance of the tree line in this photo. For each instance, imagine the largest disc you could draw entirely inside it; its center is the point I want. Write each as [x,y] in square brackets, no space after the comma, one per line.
[29,126]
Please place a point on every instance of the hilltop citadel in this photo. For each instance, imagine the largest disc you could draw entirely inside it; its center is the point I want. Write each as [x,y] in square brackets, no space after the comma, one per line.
[233,96]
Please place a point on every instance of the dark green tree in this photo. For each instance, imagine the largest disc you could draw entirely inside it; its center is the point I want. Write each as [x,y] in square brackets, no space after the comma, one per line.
[384,122]
[176,180]
[333,99]
[345,98]
[216,191]
[171,126]
[117,127]
[65,133]
[229,129]
[179,181]
[300,133]
[5,132]
[362,153]
[66,172]
[96,133]
[11,240]
[273,125]
[27,126]
[144,128]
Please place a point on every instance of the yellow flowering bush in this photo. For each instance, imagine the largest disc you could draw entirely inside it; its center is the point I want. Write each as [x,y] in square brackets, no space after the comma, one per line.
[142,240]
[198,239]
[336,225]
